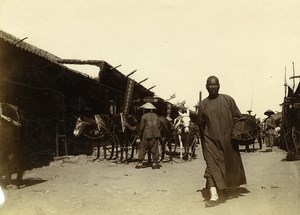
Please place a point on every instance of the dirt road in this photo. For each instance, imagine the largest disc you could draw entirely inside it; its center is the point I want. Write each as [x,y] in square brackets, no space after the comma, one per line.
[82,187]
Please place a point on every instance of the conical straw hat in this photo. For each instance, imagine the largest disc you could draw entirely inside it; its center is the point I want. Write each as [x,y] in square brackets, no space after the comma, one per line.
[148,105]
[269,112]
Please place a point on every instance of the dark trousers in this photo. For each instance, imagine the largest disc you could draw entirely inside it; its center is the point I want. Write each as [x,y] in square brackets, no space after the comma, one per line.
[146,144]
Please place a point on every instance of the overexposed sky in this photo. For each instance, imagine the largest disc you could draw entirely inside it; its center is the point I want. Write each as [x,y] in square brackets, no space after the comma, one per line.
[177,44]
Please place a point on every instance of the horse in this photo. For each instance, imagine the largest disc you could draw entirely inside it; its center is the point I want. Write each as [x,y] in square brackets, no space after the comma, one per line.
[126,129]
[96,131]
[184,135]
[12,143]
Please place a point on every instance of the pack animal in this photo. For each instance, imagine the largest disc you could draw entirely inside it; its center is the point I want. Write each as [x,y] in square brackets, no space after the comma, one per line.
[96,132]
[126,130]
[166,134]
[184,135]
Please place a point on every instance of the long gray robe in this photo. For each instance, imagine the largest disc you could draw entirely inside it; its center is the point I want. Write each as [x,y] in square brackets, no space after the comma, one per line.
[223,160]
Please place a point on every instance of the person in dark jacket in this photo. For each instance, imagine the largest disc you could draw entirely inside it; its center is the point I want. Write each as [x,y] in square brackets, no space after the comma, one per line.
[150,134]
[224,167]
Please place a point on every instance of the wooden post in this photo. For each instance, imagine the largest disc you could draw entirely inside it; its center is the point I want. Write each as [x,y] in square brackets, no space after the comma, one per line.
[200,97]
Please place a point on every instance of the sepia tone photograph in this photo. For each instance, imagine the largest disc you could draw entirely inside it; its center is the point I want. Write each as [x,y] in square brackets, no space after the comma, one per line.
[139,107]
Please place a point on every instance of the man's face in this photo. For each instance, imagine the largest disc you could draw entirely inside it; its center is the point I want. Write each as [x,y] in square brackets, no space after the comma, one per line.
[213,87]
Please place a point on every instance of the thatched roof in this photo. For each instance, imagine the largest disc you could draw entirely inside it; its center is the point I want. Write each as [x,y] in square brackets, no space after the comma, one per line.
[27,47]
[21,44]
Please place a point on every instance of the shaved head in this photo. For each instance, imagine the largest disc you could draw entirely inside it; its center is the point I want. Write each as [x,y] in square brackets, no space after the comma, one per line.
[213,86]
[212,80]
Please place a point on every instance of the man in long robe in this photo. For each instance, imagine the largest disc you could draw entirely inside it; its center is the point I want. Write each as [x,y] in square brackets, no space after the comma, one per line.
[224,168]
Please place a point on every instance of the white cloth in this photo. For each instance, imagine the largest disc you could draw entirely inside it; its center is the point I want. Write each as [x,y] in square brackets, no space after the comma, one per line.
[213,194]
[2,197]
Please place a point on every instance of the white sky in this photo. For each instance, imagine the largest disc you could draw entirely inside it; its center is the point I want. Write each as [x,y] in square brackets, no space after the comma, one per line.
[177,44]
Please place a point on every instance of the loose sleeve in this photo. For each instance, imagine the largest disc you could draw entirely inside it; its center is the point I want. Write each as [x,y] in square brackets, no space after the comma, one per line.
[235,110]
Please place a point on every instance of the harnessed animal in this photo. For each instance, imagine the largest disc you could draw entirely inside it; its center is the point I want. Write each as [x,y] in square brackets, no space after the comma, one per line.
[184,135]
[166,134]
[126,129]
[96,131]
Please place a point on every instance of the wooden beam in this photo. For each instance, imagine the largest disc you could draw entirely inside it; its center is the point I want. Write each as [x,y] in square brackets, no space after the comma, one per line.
[296,76]
[115,67]
[76,61]
[20,40]
[142,81]
[131,73]
[151,88]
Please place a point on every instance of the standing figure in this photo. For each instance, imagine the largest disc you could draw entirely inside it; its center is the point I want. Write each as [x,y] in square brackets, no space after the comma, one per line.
[259,136]
[269,127]
[150,133]
[224,167]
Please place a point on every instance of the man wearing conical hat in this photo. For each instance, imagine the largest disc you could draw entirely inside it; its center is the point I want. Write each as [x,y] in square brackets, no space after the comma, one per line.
[148,106]
[150,134]
[269,112]
[269,127]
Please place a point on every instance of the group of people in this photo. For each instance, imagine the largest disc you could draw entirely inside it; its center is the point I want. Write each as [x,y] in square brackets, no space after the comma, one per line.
[217,114]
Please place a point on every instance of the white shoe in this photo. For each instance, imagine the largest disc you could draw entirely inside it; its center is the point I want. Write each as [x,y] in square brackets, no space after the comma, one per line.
[2,197]
[213,194]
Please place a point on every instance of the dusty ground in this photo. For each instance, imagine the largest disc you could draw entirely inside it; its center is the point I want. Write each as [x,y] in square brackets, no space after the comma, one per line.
[83,187]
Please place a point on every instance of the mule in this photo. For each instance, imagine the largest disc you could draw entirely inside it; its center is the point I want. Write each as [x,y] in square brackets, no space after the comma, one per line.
[96,131]
[184,135]
[126,129]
